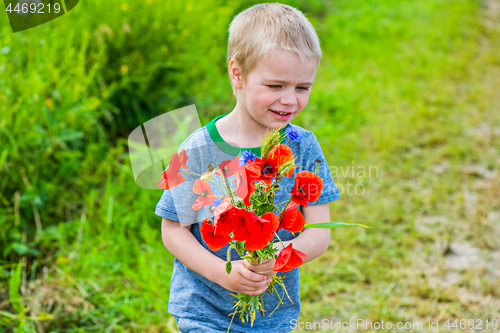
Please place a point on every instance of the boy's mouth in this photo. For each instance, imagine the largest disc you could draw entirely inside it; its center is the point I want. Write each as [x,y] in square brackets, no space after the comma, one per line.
[281,113]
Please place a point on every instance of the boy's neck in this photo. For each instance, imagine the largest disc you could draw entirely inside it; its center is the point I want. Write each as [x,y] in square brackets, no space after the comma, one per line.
[238,128]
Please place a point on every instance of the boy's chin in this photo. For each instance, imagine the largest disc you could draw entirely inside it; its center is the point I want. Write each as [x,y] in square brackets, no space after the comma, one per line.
[275,126]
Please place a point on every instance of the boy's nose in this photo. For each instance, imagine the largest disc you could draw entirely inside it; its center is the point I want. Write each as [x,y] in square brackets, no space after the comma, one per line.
[289,98]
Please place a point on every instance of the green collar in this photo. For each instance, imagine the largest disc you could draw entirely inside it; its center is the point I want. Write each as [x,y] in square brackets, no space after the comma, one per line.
[226,147]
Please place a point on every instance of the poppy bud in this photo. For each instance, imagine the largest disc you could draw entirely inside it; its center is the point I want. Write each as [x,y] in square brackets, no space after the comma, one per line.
[318,162]
[206,176]
[210,167]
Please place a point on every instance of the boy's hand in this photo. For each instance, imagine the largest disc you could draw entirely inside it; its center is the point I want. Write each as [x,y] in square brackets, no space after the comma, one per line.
[266,268]
[243,280]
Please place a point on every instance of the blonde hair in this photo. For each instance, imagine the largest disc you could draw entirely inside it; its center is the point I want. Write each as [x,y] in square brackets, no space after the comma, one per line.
[268,27]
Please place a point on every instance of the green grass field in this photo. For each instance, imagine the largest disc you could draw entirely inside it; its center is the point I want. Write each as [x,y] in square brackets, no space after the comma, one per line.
[407,91]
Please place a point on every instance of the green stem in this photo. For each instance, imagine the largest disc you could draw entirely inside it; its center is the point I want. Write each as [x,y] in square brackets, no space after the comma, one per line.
[276,234]
[231,185]
[317,166]
[219,187]
[234,313]
[192,173]
[283,211]
[228,187]
[220,182]
[284,288]
[277,294]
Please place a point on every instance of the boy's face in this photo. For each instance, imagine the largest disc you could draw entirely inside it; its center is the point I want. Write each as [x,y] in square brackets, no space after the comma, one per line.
[282,83]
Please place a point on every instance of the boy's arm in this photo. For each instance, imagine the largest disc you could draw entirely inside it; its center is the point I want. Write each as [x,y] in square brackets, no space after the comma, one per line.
[179,241]
[312,241]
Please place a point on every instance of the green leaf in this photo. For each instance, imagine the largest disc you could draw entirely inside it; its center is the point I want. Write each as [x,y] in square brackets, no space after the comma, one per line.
[332,225]
[45,316]
[3,157]
[14,283]
[228,267]
[6,314]
[263,208]
[21,248]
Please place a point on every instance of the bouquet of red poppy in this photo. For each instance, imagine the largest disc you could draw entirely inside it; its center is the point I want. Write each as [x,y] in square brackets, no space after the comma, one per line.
[246,216]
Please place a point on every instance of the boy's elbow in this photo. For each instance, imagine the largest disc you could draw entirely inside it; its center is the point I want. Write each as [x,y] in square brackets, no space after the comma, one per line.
[164,234]
[325,241]
[169,232]
[167,227]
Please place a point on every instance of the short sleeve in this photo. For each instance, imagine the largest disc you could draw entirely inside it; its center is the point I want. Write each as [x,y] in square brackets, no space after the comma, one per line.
[165,207]
[311,154]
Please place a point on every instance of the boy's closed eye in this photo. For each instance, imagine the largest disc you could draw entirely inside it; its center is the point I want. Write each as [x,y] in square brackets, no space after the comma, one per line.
[301,88]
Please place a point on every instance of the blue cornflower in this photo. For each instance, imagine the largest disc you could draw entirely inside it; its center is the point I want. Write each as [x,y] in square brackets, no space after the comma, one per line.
[293,135]
[216,202]
[246,156]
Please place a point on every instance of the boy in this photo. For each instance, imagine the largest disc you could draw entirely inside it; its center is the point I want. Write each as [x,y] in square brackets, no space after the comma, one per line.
[273,52]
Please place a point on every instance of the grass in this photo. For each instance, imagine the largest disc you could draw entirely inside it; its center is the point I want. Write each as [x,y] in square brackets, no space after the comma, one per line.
[408,88]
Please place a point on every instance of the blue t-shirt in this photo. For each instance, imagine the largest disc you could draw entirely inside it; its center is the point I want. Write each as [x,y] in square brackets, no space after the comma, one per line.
[192,295]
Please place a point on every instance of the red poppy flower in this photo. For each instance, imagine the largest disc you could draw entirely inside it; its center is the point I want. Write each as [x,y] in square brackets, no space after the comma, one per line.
[205,191]
[256,231]
[183,159]
[253,170]
[223,220]
[229,167]
[288,259]
[240,182]
[268,168]
[307,187]
[172,177]
[223,207]
[246,176]
[213,238]
[282,154]
[292,219]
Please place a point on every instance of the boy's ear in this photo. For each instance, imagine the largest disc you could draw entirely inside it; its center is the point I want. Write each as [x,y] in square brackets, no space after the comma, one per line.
[235,74]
